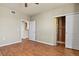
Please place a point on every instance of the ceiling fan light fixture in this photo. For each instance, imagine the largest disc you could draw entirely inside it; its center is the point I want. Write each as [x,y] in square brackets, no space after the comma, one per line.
[25,4]
[37,3]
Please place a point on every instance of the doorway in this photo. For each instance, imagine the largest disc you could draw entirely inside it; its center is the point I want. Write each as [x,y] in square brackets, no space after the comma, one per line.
[61,22]
[32,30]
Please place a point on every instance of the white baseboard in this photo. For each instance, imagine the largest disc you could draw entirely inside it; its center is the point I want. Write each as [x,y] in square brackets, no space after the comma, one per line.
[10,43]
[44,42]
[60,42]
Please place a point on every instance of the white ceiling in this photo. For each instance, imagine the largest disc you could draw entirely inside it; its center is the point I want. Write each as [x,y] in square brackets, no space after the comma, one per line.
[32,8]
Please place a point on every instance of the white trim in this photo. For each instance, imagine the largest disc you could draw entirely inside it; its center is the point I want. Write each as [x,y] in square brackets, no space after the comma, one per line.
[44,42]
[66,14]
[10,43]
[61,42]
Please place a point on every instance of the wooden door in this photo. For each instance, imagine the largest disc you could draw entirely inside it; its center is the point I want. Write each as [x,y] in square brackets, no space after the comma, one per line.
[61,29]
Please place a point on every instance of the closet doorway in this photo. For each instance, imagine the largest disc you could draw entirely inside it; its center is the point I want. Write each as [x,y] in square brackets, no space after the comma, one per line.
[61,22]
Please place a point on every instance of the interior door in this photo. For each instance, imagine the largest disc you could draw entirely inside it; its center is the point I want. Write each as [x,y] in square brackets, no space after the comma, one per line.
[69,30]
[61,29]
[32,30]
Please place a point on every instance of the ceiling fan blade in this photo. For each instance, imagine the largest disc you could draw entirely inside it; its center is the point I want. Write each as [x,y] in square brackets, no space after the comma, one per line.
[25,4]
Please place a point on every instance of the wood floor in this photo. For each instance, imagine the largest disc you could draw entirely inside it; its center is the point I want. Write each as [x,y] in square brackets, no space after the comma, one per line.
[31,48]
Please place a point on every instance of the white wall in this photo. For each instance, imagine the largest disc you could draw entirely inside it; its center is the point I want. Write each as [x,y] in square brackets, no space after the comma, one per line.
[46,30]
[9,27]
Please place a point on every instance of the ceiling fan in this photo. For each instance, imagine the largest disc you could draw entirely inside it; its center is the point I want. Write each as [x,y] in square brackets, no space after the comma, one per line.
[26,4]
